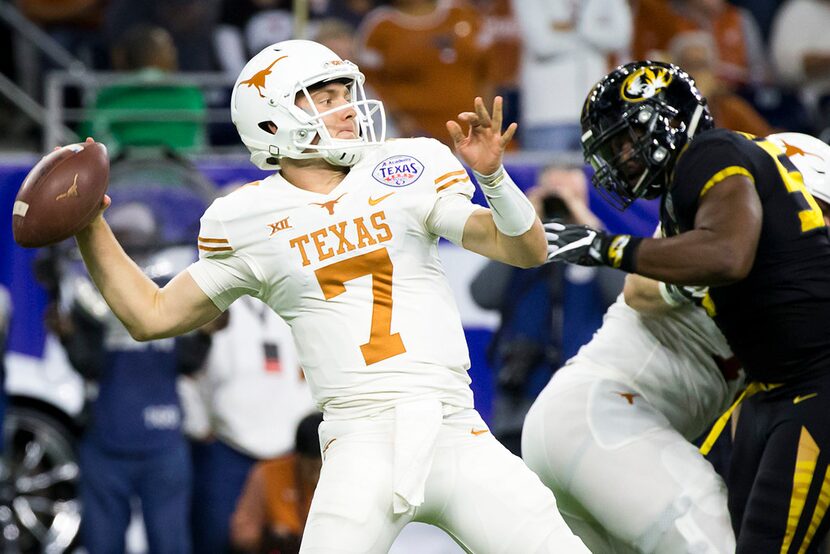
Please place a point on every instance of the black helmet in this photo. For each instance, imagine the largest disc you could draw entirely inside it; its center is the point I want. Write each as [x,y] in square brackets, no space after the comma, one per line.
[653,106]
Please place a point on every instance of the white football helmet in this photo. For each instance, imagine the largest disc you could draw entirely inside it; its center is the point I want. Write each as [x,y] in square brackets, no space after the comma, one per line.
[811,156]
[266,91]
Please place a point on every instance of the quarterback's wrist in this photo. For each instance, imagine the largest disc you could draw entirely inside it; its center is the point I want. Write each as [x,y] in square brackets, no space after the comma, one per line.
[490,179]
[620,252]
[513,214]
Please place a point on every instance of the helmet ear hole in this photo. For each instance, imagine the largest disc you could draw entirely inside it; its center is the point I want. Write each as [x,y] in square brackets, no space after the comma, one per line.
[268,126]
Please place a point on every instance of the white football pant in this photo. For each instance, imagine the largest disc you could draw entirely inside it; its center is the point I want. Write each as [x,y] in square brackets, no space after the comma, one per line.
[624,479]
[476,490]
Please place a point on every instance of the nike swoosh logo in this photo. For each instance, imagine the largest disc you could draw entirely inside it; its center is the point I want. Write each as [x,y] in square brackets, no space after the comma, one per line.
[478,432]
[798,399]
[379,199]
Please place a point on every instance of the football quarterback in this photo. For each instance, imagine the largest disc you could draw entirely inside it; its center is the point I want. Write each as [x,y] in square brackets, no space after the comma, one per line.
[341,243]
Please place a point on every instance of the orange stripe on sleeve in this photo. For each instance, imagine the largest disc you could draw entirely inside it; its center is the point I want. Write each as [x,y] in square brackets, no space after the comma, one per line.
[450,174]
[206,239]
[215,248]
[451,183]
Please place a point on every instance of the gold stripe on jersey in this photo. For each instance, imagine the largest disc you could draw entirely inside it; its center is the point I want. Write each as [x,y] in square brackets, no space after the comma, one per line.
[451,183]
[449,179]
[818,513]
[450,174]
[723,174]
[207,240]
[805,467]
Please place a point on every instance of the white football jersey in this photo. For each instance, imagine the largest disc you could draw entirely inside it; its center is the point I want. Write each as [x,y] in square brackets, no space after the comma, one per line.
[679,361]
[355,273]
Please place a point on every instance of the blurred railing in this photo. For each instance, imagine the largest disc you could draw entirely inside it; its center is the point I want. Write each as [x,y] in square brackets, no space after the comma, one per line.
[30,42]
[60,118]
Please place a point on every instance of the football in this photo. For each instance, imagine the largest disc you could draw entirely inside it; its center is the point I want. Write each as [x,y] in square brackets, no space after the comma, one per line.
[61,194]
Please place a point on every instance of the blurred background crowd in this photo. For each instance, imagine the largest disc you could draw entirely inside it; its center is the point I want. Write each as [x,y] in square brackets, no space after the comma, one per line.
[763,64]
[208,443]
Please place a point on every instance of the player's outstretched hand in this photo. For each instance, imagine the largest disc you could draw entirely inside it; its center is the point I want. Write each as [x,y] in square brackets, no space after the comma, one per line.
[575,244]
[584,245]
[483,146]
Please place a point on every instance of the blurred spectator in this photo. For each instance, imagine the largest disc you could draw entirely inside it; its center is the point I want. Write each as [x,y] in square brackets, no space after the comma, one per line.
[338,35]
[191,23]
[133,446]
[763,11]
[242,406]
[501,32]
[247,26]
[147,54]
[741,53]
[426,60]
[566,50]
[538,309]
[649,41]
[273,508]
[351,11]
[75,24]
[696,52]
[800,46]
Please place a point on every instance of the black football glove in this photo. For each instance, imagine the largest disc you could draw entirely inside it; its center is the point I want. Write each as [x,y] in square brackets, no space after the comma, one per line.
[583,245]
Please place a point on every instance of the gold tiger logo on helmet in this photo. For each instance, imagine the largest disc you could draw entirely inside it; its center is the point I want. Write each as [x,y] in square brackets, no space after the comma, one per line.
[644,83]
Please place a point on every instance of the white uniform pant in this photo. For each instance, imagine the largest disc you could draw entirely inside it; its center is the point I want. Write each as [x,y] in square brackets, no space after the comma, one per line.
[483,496]
[624,479]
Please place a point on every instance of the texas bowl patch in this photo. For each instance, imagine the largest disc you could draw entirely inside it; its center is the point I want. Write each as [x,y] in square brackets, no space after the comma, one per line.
[398,171]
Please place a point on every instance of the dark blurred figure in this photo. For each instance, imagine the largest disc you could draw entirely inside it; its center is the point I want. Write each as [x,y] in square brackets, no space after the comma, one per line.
[191,23]
[800,48]
[273,509]
[133,446]
[742,58]
[5,319]
[75,24]
[763,11]
[147,54]
[696,52]
[351,11]
[247,26]
[547,312]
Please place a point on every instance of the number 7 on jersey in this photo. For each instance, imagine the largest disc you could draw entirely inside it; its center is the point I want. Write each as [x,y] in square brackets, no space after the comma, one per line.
[332,278]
